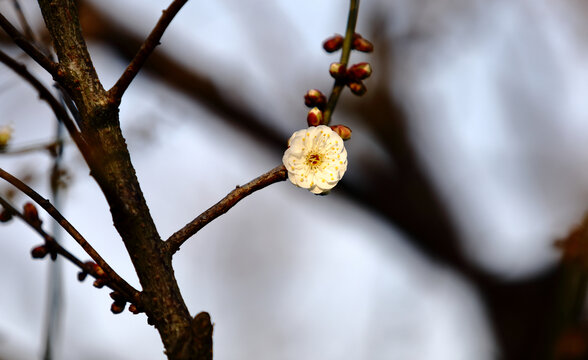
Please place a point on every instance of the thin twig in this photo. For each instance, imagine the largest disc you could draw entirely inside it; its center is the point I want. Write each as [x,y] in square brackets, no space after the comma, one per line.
[28,31]
[347,44]
[26,149]
[54,246]
[20,40]
[55,214]
[146,49]
[46,95]
[177,239]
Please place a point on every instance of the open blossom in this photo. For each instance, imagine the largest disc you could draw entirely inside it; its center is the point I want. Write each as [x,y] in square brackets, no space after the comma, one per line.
[315,159]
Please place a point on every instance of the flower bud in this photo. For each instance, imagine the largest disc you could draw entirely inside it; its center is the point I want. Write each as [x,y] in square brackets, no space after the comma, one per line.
[134,309]
[315,98]
[117,307]
[82,276]
[333,43]
[359,71]
[337,70]
[116,296]
[5,216]
[31,215]
[342,131]
[39,252]
[99,283]
[357,87]
[314,117]
[361,44]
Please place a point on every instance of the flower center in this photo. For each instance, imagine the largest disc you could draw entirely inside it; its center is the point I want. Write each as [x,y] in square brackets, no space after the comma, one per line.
[313,160]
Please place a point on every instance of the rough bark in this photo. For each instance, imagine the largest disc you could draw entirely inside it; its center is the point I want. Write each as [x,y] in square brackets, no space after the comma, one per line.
[110,165]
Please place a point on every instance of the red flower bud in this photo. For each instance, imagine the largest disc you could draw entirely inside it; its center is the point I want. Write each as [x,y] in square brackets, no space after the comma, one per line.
[134,309]
[117,307]
[342,131]
[359,71]
[31,215]
[333,43]
[314,117]
[361,44]
[39,252]
[337,70]
[357,87]
[315,98]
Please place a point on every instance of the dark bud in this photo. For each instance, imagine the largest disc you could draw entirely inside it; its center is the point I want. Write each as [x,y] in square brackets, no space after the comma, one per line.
[133,308]
[82,276]
[99,283]
[315,98]
[359,71]
[31,215]
[53,254]
[94,269]
[117,307]
[39,252]
[116,296]
[333,44]
[5,216]
[358,88]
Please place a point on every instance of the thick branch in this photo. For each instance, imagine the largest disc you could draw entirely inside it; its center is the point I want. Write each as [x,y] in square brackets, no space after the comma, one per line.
[177,239]
[76,70]
[55,214]
[146,49]
[20,40]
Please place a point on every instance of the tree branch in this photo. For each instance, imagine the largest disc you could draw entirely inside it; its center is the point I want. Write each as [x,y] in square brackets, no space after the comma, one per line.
[46,95]
[178,238]
[346,51]
[55,247]
[117,91]
[22,42]
[55,214]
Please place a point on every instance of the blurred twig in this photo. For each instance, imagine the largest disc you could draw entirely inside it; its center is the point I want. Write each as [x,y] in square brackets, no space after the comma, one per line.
[28,47]
[146,49]
[55,214]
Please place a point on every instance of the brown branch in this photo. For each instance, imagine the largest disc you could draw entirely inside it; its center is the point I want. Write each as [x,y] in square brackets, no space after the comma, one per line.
[55,214]
[146,49]
[46,95]
[178,238]
[54,247]
[22,42]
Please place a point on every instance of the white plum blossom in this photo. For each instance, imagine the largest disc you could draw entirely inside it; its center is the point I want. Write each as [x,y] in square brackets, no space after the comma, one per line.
[315,159]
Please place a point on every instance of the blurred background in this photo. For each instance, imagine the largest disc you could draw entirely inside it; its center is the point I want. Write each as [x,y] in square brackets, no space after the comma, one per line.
[467,162]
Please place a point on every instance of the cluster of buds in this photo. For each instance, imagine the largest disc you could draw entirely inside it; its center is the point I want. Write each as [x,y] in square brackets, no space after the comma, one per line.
[353,76]
[335,43]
